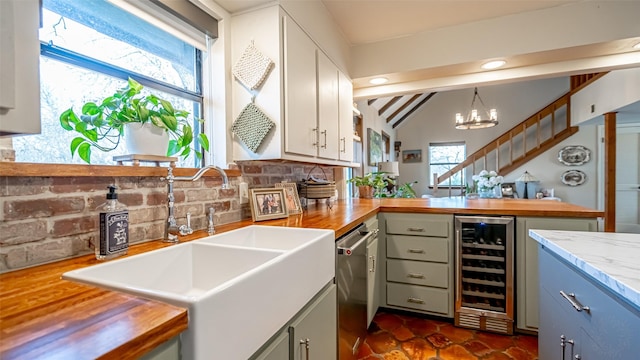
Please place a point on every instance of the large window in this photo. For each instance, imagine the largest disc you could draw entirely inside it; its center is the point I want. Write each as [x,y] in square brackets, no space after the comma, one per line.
[444,157]
[89,49]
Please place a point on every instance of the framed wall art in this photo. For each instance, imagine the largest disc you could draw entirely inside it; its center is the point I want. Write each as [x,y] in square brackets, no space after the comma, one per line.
[267,204]
[411,156]
[573,177]
[374,147]
[574,155]
[291,197]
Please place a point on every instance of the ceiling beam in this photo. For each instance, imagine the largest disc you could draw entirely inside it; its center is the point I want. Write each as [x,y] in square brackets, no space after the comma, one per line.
[413,109]
[403,107]
[388,105]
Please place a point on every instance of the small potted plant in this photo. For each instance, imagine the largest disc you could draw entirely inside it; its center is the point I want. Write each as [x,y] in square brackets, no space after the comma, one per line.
[102,125]
[370,185]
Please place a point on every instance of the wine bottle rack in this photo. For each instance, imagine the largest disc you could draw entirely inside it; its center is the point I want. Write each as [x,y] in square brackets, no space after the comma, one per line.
[484,276]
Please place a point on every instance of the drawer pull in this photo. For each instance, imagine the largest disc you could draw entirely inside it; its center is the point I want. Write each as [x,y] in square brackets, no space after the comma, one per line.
[416,251]
[415,301]
[415,229]
[415,276]
[571,298]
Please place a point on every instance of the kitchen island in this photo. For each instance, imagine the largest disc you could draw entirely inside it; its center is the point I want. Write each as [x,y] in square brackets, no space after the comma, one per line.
[43,316]
[589,294]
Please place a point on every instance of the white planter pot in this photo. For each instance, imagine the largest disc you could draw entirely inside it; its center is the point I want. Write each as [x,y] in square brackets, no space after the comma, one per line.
[145,139]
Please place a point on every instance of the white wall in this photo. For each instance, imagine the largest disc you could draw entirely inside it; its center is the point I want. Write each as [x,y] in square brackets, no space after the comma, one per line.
[548,170]
[371,119]
[434,122]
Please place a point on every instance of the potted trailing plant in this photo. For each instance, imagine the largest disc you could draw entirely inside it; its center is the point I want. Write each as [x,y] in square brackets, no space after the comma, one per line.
[101,125]
[371,184]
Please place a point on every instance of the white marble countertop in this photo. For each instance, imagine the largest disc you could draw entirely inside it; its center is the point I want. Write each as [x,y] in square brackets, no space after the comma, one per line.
[611,259]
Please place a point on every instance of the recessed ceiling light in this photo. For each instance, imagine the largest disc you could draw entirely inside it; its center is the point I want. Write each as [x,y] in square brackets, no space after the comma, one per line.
[493,64]
[378,80]
[636,46]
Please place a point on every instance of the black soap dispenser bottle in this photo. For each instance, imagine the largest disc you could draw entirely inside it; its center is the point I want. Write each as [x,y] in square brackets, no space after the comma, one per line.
[114,227]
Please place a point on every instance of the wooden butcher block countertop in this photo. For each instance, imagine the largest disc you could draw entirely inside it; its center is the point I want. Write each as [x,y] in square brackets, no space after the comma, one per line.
[43,316]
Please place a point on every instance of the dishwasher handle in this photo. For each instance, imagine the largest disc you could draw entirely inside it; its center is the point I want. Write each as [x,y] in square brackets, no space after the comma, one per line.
[344,248]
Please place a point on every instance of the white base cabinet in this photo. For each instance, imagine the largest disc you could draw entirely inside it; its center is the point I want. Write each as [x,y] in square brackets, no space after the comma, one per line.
[418,264]
[311,334]
[526,263]
[607,330]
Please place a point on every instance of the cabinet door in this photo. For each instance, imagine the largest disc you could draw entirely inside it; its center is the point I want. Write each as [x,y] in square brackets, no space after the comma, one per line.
[300,91]
[19,75]
[314,334]
[327,108]
[345,93]
[373,296]
[278,349]
[527,263]
[554,323]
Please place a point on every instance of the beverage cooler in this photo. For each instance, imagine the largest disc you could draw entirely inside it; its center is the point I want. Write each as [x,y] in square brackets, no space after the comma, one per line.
[484,273]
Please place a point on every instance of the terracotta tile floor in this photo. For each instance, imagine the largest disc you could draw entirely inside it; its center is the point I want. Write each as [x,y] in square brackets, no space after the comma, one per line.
[395,336]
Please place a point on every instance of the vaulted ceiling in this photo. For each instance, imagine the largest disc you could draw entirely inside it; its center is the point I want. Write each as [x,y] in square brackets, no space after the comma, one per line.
[368,22]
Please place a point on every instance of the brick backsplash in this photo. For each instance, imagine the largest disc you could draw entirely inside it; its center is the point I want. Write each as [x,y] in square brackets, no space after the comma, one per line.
[46,219]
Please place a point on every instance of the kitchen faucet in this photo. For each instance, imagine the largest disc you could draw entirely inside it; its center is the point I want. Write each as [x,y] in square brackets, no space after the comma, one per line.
[171,228]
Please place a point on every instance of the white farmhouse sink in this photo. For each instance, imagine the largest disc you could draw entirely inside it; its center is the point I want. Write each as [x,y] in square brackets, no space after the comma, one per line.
[240,286]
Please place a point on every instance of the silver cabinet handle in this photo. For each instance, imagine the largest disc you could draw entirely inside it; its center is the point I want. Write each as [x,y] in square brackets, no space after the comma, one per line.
[325,139]
[307,345]
[571,298]
[344,145]
[414,229]
[315,131]
[373,263]
[415,276]
[415,300]
[563,344]
[416,251]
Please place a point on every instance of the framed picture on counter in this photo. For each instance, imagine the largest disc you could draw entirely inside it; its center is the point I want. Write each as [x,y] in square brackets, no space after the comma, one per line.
[291,197]
[268,203]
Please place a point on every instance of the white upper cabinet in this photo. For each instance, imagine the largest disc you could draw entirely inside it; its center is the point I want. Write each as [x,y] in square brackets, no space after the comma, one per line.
[305,94]
[346,118]
[300,91]
[19,67]
[328,108]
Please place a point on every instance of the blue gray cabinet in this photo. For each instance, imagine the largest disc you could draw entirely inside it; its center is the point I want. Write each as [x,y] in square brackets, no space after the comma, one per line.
[579,318]
[311,334]
[418,266]
[526,262]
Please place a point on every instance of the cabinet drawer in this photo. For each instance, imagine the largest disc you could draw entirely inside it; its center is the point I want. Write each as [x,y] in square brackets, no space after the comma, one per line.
[418,297]
[418,273]
[607,315]
[418,248]
[419,226]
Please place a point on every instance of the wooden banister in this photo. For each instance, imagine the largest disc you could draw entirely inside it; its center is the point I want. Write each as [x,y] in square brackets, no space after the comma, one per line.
[542,144]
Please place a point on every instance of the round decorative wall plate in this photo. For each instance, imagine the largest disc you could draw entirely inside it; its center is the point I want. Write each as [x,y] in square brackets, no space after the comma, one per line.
[573,177]
[574,155]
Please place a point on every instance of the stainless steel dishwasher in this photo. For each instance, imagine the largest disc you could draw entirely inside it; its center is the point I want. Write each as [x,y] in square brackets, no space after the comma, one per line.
[351,278]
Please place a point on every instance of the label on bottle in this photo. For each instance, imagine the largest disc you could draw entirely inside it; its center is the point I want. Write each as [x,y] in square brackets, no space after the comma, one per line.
[114,232]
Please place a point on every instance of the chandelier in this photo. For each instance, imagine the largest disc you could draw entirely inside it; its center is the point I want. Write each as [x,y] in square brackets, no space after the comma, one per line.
[475,119]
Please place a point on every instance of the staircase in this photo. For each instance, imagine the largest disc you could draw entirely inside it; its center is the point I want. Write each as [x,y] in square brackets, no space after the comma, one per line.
[532,137]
